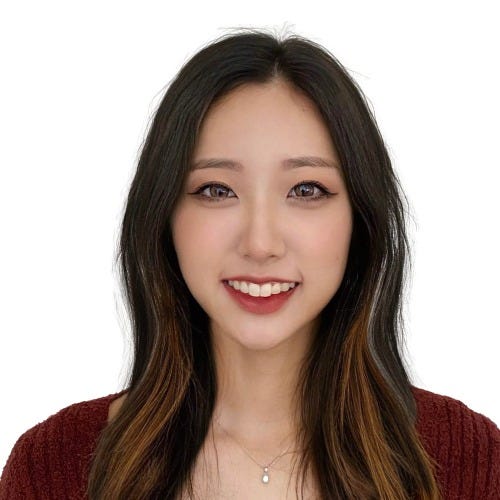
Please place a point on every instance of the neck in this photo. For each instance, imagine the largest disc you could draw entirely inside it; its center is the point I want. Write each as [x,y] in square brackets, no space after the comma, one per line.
[256,390]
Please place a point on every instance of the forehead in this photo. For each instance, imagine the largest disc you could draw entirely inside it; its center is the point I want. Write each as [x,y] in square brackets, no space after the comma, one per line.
[272,119]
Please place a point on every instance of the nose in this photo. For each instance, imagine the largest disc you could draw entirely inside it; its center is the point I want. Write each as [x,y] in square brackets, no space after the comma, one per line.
[261,235]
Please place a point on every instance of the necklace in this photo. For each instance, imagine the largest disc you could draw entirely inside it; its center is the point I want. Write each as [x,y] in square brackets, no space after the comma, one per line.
[265,468]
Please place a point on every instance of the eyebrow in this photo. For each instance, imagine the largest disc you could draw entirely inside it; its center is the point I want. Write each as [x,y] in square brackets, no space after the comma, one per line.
[287,164]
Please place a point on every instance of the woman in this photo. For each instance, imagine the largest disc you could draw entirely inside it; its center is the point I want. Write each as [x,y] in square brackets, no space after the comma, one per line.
[263,252]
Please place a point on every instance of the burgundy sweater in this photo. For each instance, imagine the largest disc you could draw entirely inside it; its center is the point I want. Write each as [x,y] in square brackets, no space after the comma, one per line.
[51,460]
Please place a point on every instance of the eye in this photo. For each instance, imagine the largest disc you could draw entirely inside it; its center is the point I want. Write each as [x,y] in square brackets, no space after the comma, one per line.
[213,189]
[323,192]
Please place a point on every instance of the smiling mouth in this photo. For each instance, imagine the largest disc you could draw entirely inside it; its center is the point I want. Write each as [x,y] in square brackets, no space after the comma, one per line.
[257,304]
[263,291]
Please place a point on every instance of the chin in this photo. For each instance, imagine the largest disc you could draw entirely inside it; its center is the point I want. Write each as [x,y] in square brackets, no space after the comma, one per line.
[260,341]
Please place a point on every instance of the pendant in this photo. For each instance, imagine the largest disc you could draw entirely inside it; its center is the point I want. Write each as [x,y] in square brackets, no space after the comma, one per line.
[265,476]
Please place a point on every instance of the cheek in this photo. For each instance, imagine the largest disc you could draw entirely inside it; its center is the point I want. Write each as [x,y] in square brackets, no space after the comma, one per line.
[197,242]
[327,257]
[325,241]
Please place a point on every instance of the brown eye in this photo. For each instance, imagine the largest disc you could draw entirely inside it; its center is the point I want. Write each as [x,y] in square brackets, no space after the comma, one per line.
[215,192]
[300,190]
[305,191]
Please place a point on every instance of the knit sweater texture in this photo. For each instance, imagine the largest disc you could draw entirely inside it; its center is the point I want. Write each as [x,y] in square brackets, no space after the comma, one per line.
[52,459]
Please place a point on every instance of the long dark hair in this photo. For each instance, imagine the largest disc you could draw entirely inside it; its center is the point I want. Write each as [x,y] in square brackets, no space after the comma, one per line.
[358,410]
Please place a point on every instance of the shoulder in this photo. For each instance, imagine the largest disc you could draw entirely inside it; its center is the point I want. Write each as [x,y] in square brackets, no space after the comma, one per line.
[54,453]
[464,443]
[75,423]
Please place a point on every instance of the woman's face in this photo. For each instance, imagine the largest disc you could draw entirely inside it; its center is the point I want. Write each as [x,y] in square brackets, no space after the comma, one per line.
[265,217]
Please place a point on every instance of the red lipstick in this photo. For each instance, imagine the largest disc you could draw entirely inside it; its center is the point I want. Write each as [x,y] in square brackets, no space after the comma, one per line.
[260,305]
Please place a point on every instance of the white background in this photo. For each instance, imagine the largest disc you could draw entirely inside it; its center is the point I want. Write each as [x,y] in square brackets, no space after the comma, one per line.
[79,83]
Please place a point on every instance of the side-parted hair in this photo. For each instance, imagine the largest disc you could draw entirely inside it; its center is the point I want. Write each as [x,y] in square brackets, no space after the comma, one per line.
[357,406]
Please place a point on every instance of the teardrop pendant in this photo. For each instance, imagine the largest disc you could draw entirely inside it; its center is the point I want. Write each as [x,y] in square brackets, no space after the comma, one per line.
[265,476]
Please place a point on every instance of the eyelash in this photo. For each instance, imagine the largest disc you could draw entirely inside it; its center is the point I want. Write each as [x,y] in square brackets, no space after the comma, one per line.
[325,193]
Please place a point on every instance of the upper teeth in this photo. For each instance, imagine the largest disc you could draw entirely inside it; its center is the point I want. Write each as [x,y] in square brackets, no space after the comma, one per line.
[263,290]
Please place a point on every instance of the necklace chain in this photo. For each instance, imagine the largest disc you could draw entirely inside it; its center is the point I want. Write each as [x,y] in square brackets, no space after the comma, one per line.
[265,468]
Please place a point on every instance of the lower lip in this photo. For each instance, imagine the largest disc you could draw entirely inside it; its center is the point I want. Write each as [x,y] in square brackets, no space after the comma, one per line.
[260,305]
